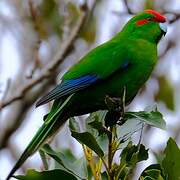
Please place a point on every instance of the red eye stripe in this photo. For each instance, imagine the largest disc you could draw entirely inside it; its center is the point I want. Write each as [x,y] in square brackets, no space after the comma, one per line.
[141,22]
[158,16]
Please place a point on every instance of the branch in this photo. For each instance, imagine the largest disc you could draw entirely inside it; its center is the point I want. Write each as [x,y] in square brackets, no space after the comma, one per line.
[29,92]
[52,66]
[130,11]
[128,7]
[35,20]
[175,18]
[5,92]
[170,44]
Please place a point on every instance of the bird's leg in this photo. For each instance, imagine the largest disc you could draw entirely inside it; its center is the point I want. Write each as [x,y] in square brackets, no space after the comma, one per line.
[111,119]
[121,120]
[114,112]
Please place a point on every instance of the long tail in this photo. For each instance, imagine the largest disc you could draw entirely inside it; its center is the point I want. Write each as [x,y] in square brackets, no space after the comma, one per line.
[50,126]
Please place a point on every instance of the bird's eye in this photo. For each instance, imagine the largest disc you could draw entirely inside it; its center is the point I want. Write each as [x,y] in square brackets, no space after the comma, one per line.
[149,19]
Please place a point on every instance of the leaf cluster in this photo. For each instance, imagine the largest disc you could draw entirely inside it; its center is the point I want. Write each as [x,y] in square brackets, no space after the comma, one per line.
[102,144]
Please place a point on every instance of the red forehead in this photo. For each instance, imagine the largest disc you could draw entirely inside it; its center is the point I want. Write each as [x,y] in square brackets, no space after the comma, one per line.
[157,15]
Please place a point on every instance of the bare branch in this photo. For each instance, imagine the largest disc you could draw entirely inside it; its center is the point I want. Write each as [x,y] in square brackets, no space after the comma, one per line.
[170,44]
[175,18]
[51,67]
[34,15]
[29,93]
[128,7]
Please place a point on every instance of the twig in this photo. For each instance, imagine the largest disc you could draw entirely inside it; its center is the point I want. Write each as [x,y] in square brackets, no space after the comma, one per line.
[35,20]
[170,44]
[175,18]
[5,92]
[128,7]
[140,137]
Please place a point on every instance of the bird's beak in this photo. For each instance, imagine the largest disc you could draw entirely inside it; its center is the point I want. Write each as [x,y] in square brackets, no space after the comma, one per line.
[163,27]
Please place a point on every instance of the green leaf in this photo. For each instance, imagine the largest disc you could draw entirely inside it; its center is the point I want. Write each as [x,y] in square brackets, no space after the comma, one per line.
[95,123]
[46,175]
[47,7]
[104,176]
[44,159]
[89,140]
[159,157]
[69,155]
[126,130]
[73,12]
[153,171]
[165,92]
[149,4]
[92,117]
[98,126]
[78,166]
[73,125]
[153,118]
[62,160]
[103,142]
[133,154]
[130,156]
[171,162]
[88,32]
[51,18]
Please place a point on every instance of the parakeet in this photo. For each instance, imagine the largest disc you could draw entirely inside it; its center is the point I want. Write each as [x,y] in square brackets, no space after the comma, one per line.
[126,60]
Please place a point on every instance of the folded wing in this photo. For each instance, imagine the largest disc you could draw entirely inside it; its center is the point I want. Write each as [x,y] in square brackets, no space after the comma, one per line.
[68,87]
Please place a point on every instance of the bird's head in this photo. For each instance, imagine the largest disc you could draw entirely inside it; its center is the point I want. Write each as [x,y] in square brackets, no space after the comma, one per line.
[149,25]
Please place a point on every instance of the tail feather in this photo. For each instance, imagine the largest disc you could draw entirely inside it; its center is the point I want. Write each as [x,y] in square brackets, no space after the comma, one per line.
[31,148]
[50,126]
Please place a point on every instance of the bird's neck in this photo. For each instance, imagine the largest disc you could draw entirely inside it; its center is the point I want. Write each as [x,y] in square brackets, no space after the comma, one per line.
[152,36]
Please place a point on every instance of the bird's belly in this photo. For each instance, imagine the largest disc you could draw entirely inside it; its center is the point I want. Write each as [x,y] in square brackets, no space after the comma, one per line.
[93,98]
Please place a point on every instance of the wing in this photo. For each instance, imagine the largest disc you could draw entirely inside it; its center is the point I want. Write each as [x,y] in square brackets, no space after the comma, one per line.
[68,87]
[97,65]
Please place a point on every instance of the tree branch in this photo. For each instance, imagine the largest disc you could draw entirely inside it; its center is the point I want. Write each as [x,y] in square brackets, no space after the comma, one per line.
[51,67]
[29,92]
[175,18]
[128,7]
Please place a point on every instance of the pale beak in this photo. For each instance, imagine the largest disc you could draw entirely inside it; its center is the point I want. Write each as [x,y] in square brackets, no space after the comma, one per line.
[163,27]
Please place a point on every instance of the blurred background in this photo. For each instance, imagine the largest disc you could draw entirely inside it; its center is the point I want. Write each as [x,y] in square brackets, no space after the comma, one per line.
[41,39]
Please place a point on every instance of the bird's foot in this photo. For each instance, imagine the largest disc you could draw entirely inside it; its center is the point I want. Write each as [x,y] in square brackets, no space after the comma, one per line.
[121,121]
[114,111]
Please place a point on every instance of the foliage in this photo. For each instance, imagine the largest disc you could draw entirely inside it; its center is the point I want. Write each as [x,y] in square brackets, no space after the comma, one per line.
[100,145]
[169,167]
[171,162]
[46,175]
[165,93]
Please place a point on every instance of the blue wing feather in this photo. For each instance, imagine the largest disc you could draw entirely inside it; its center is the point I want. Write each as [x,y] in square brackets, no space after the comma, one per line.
[68,87]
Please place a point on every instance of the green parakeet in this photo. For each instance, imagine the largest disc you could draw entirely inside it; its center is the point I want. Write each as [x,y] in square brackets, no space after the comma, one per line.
[126,60]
